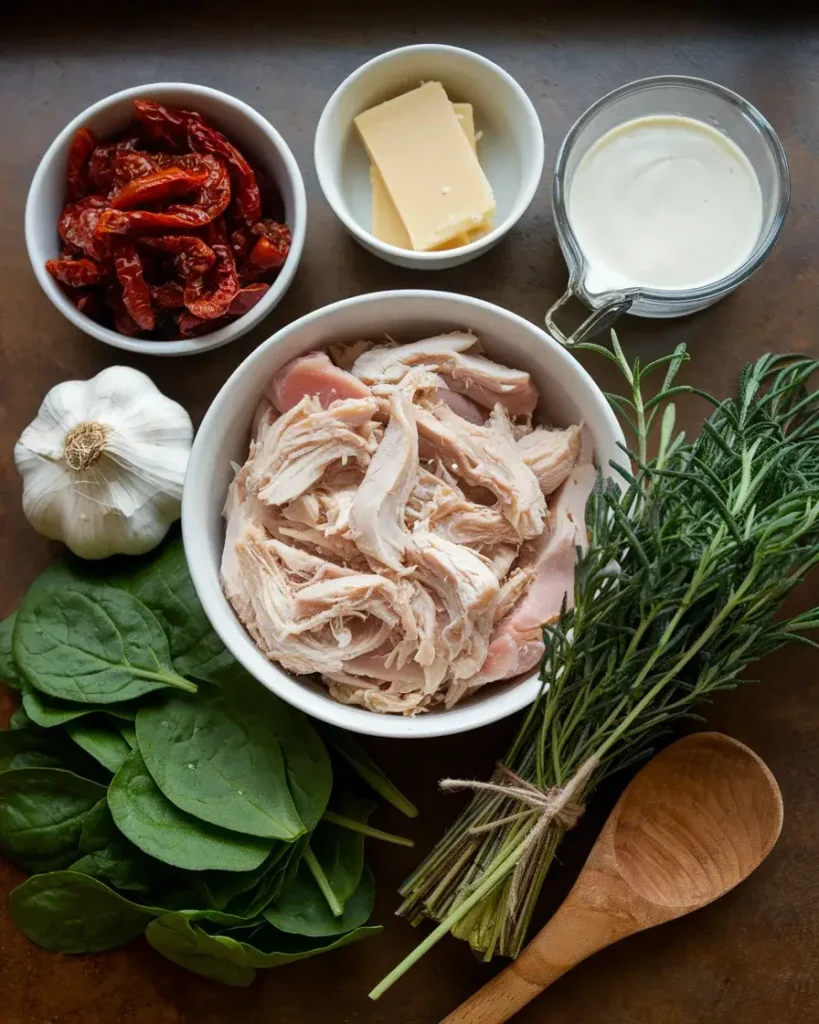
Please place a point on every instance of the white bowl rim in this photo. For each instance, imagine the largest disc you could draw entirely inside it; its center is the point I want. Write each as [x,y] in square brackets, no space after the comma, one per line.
[183,346]
[532,173]
[354,719]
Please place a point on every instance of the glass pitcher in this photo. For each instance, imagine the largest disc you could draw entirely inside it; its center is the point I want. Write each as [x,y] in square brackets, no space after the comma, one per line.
[701,100]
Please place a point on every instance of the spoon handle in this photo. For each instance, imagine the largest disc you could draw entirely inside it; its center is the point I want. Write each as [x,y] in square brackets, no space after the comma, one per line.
[578,929]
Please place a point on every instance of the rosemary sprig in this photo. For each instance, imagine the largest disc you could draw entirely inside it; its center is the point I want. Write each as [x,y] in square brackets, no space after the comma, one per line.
[689,561]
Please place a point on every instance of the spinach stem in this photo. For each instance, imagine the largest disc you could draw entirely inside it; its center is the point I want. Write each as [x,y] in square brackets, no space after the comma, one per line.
[316,871]
[366,830]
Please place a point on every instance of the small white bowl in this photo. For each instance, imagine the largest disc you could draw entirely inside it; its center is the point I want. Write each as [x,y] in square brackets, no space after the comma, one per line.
[569,396]
[510,149]
[242,124]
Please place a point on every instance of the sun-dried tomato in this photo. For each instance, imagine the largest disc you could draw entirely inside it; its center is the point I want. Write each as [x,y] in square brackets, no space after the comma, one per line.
[79,156]
[268,254]
[135,293]
[204,139]
[210,297]
[247,298]
[101,166]
[88,303]
[216,192]
[166,125]
[123,321]
[78,226]
[157,188]
[136,223]
[76,273]
[164,264]
[168,296]
[192,256]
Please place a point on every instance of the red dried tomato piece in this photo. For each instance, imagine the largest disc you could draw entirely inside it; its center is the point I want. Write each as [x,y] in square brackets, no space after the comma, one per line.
[191,326]
[166,125]
[135,293]
[213,301]
[239,243]
[123,321]
[129,165]
[157,188]
[266,255]
[79,223]
[215,195]
[89,304]
[204,139]
[80,273]
[102,163]
[135,223]
[193,258]
[168,296]
[247,298]
[79,156]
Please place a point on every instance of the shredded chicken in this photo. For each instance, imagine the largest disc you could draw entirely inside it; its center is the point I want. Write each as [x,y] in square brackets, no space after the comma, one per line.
[389,531]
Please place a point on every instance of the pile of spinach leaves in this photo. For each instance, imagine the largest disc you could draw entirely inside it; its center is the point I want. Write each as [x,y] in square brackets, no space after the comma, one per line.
[151,786]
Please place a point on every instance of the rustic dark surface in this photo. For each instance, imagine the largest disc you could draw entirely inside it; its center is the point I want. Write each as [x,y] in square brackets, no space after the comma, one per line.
[750,959]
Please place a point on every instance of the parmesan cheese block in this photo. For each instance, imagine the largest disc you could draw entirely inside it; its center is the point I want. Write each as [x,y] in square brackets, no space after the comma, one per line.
[427,165]
[387,225]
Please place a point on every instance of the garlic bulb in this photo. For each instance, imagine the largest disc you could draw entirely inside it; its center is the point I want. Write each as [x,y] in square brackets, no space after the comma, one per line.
[103,464]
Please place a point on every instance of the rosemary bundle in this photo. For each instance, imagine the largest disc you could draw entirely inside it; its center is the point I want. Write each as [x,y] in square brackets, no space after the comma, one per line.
[689,560]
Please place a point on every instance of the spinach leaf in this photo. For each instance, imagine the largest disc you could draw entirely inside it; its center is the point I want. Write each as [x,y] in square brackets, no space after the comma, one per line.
[164,585]
[15,742]
[340,851]
[228,960]
[121,865]
[103,744]
[354,755]
[91,644]
[41,813]
[20,720]
[252,903]
[161,830]
[98,828]
[49,712]
[182,942]
[71,913]
[216,756]
[301,909]
[224,886]
[128,733]
[8,670]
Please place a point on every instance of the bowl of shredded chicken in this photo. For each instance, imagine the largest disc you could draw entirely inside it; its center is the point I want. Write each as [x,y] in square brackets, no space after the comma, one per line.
[405,518]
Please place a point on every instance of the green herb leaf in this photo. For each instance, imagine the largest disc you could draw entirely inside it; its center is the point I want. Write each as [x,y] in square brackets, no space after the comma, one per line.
[164,585]
[224,886]
[128,733]
[161,830]
[217,757]
[71,913]
[301,909]
[103,744]
[20,720]
[41,814]
[92,644]
[8,670]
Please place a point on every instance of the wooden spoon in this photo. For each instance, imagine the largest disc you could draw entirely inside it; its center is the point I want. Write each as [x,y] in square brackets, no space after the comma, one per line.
[691,825]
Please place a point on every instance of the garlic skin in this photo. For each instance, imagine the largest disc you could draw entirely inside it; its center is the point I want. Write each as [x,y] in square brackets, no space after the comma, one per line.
[104,462]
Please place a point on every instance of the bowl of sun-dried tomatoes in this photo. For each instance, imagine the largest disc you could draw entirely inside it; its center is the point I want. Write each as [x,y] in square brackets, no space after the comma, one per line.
[167,219]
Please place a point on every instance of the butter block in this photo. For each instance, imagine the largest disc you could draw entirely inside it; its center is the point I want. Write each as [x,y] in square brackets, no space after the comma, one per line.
[427,165]
[387,225]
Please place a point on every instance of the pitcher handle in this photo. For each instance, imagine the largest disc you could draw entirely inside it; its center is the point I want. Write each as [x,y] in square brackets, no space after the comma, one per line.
[598,320]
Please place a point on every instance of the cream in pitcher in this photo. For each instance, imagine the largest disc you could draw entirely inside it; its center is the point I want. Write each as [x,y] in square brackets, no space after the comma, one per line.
[664,202]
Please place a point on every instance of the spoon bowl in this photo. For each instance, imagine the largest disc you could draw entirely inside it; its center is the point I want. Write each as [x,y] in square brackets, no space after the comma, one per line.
[694,823]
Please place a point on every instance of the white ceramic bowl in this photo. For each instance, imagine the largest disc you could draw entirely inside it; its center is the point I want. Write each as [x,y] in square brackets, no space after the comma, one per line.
[570,395]
[243,126]
[510,149]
